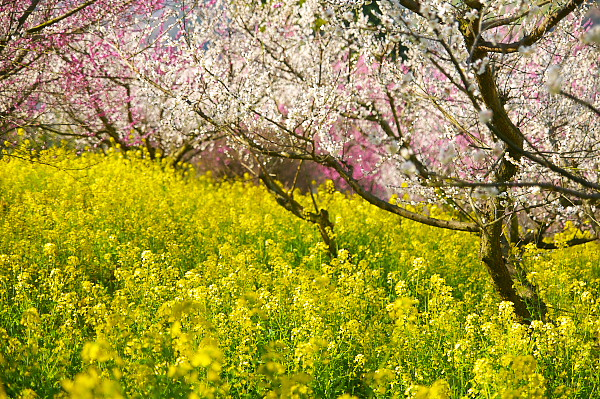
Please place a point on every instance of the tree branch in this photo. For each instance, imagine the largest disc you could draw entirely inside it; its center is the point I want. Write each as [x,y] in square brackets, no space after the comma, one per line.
[550,22]
[56,20]
[417,217]
[581,102]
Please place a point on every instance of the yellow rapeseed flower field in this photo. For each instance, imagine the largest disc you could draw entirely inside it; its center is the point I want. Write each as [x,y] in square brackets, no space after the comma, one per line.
[120,277]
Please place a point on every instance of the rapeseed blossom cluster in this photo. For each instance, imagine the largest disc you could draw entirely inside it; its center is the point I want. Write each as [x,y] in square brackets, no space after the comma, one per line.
[120,277]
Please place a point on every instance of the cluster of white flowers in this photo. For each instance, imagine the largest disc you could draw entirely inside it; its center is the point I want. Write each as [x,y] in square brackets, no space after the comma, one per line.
[554,80]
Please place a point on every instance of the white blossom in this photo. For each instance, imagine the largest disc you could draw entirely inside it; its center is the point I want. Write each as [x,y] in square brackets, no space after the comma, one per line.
[592,35]
[393,148]
[485,192]
[406,153]
[485,116]
[478,156]
[527,51]
[408,168]
[407,78]
[448,154]
[554,79]
[498,148]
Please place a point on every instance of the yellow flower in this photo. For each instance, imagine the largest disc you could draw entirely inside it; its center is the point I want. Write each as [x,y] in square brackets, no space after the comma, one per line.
[439,390]
[50,249]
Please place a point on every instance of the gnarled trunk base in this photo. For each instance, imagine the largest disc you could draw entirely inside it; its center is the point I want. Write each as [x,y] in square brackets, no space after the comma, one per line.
[494,253]
[491,255]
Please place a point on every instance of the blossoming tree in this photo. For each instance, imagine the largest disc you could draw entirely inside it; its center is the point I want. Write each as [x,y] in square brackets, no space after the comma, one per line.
[490,108]
[32,35]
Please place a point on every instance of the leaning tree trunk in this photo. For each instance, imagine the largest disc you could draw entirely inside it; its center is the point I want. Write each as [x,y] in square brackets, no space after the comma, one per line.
[495,253]
[492,255]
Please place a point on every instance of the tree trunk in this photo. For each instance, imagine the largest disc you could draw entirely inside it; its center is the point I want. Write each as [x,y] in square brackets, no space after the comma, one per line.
[495,248]
[505,269]
[492,255]
[528,291]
